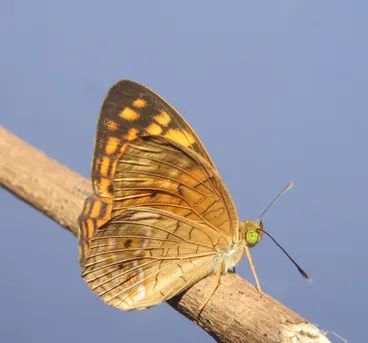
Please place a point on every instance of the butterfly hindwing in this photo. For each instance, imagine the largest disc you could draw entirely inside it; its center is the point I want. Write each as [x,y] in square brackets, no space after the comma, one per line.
[144,256]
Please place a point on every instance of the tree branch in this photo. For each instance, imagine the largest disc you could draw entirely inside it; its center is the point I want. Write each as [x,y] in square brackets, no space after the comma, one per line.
[236,313]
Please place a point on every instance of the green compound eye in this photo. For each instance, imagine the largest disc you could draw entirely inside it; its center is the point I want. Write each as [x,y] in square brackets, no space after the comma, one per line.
[252,237]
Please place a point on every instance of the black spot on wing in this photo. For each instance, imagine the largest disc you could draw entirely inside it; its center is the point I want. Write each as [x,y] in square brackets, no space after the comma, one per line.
[128,243]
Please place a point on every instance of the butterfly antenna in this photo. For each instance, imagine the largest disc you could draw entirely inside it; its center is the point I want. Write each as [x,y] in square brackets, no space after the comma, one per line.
[301,271]
[289,185]
[334,333]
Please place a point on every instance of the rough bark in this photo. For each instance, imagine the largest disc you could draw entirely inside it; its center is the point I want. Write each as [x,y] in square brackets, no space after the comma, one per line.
[236,313]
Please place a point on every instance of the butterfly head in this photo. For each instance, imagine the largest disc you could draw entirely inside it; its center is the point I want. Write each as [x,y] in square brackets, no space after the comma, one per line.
[251,232]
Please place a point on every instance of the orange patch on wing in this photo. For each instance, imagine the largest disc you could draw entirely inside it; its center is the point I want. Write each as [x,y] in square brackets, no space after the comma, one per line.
[129,243]
[103,187]
[129,114]
[111,125]
[100,222]
[90,228]
[96,209]
[122,149]
[113,167]
[163,118]
[132,134]
[140,103]
[111,145]
[104,167]
[154,129]
[182,137]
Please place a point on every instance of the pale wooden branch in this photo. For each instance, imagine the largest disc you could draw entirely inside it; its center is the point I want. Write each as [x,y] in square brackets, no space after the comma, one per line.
[236,312]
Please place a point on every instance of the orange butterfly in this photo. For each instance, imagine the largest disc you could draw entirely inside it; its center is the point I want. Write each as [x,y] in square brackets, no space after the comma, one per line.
[160,218]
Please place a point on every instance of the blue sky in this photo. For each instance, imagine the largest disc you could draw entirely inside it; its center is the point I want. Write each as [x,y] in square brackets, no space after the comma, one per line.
[276,90]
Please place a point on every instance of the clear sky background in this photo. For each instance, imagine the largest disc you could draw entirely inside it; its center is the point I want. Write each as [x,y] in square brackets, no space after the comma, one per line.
[276,90]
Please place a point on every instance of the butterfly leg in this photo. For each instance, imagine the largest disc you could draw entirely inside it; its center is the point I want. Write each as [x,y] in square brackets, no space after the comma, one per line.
[253,269]
[217,282]
[231,270]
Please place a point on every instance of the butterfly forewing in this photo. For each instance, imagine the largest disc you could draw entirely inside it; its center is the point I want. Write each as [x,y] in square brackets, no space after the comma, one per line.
[129,110]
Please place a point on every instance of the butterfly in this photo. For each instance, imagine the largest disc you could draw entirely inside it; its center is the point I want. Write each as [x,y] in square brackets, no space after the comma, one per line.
[160,217]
